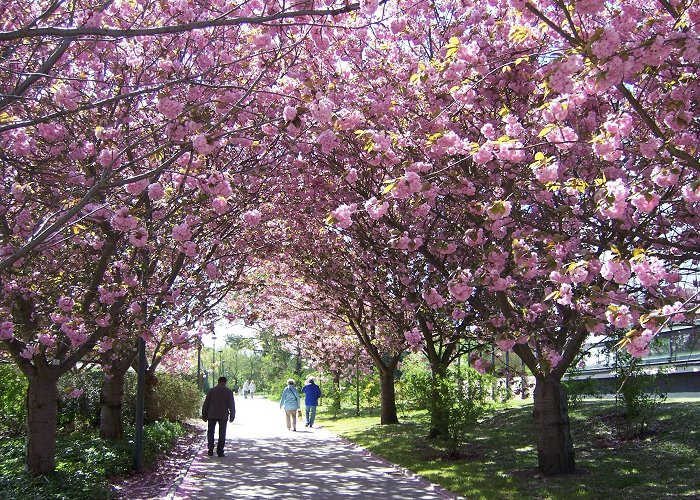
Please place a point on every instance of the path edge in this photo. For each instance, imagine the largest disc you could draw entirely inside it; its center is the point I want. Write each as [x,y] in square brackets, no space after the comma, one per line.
[407,472]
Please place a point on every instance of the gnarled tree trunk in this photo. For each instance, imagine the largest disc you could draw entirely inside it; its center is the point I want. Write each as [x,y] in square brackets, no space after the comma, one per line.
[42,414]
[111,400]
[388,397]
[555,451]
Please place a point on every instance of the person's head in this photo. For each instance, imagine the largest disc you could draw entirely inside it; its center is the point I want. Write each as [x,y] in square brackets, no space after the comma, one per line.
[223,380]
[311,380]
[290,381]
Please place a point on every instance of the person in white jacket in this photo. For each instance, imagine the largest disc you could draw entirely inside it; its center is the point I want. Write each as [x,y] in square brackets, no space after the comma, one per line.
[246,388]
[251,388]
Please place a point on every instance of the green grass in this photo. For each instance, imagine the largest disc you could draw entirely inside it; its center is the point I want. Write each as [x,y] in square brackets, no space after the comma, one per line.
[84,462]
[499,459]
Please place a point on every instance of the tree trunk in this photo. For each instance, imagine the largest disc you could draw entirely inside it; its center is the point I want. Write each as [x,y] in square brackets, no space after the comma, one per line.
[335,404]
[439,410]
[111,400]
[42,414]
[388,398]
[150,404]
[555,451]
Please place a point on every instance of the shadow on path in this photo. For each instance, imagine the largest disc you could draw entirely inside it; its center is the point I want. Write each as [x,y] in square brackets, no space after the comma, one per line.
[265,460]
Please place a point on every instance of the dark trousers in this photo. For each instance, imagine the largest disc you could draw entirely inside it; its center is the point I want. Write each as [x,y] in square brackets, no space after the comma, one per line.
[222,434]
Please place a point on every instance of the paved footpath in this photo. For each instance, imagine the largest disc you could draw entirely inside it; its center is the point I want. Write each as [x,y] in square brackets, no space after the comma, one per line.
[265,460]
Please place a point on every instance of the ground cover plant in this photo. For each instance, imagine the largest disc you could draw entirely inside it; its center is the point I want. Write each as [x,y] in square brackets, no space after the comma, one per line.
[497,459]
[84,463]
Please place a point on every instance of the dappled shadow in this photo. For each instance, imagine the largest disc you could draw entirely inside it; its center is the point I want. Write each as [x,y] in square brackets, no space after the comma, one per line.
[309,463]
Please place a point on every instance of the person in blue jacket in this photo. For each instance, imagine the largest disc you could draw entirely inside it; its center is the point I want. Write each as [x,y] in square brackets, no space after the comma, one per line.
[290,402]
[312,393]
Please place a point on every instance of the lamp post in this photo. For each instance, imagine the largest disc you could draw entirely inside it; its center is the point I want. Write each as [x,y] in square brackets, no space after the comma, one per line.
[213,355]
[199,365]
[221,365]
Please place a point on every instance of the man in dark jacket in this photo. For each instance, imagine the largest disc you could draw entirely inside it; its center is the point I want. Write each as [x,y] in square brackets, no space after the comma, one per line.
[218,407]
[311,394]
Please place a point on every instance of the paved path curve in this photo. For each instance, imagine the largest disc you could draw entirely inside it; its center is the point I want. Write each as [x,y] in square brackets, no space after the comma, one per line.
[265,460]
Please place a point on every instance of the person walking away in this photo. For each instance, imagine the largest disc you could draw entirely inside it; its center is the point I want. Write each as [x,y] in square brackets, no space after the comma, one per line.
[312,393]
[290,402]
[246,388]
[218,407]
[251,388]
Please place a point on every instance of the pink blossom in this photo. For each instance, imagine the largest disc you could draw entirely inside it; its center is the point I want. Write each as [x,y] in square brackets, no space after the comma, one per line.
[189,248]
[505,344]
[547,173]
[138,237]
[104,320]
[219,205]
[458,314]
[674,311]
[289,113]
[6,330]
[375,209]
[170,108]
[499,210]
[136,187]
[433,298]
[619,316]
[616,270]
[47,339]
[691,193]
[343,215]
[645,201]
[105,344]
[202,145]
[480,364]
[156,191]
[75,393]
[327,140]
[352,176]
[66,304]
[664,176]
[459,287]
[212,271]
[29,352]
[252,217]
[182,232]
[123,221]
[109,157]
[553,357]
[414,338]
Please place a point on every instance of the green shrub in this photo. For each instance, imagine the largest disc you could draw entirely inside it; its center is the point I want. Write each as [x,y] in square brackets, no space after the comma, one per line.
[639,392]
[176,399]
[414,385]
[13,408]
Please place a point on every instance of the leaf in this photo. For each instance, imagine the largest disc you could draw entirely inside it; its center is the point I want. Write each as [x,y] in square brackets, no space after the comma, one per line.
[5,118]
[554,295]
[391,185]
[615,250]
[546,130]
[539,156]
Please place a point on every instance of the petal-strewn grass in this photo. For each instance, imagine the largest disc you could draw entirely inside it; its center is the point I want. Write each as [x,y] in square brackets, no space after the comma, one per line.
[499,458]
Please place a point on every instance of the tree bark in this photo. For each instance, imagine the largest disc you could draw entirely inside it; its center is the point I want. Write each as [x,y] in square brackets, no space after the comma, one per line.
[555,451]
[388,397]
[150,397]
[42,414]
[111,400]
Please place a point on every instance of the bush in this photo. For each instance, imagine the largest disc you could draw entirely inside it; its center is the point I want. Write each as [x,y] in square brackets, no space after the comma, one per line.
[639,392]
[84,462]
[466,400]
[176,399]
[414,386]
[13,408]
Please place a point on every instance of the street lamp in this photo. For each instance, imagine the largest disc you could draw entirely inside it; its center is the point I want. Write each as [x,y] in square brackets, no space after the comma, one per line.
[221,365]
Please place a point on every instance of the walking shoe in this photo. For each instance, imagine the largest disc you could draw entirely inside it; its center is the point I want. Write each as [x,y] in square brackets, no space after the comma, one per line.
[220,455]
[210,453]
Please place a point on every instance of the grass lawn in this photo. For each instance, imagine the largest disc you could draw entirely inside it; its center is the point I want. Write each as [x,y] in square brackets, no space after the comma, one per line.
[499,459]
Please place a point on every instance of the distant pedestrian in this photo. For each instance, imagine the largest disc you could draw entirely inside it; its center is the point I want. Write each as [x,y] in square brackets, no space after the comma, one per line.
[251,388]
[290,402]
[312,393]
[218,407]
[246,388]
